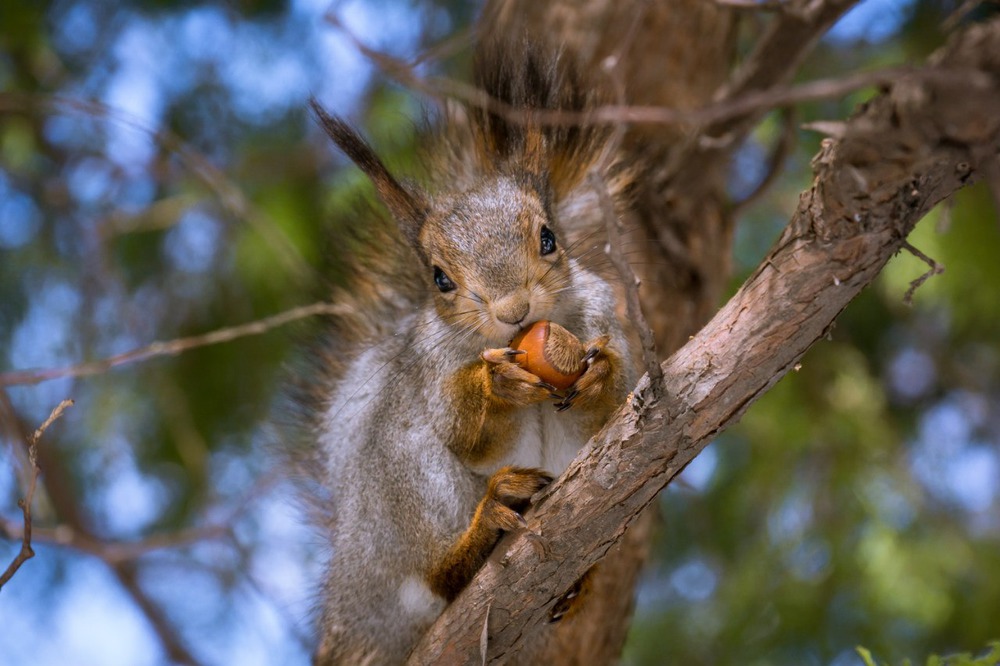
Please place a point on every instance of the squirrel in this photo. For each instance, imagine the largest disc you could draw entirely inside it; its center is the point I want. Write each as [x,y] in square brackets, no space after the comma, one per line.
[426,437]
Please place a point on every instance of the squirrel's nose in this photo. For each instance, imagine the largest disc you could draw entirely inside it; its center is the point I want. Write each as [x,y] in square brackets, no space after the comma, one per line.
[511,309]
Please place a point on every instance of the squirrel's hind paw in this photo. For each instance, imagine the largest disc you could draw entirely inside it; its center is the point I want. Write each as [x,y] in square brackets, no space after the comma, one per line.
[508,493]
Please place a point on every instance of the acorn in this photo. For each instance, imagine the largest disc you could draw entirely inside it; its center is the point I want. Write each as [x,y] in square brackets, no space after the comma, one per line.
[551,353]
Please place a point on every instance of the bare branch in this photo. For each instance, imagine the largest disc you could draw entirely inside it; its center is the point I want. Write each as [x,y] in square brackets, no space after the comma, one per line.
[755,5]
[782,148]
[170,347]
[776,58]
[114,552]
[755,91]
[117,552]
[65,506]
[27,552]
[952,21]
[56,413]
[935,269]
[170,638]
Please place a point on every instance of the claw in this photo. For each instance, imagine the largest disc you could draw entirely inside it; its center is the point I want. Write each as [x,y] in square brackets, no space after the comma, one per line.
[567,401]
[555,396]
[512,353]
[546,386]
[591,354]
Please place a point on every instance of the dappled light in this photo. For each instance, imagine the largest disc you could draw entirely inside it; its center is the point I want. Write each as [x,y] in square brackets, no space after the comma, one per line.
[171,222]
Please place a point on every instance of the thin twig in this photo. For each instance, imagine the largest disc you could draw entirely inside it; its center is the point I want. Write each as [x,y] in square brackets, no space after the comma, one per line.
[56,413]
[755,5]
[631,283]
[171,639]
[446,47]
[116,552]
[27,552]
[170,347]
[69,508]
[990,167]
[935,269]
[956,16]
[783,147]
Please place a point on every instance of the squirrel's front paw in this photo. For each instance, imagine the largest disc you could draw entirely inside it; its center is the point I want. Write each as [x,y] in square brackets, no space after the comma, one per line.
[598,380]
[513,384]
[508,493]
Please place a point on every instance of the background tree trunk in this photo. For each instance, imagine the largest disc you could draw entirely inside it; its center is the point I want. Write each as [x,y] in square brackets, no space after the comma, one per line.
[672,55]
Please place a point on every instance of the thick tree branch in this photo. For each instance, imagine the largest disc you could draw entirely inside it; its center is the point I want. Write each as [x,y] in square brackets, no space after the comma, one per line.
[906,151]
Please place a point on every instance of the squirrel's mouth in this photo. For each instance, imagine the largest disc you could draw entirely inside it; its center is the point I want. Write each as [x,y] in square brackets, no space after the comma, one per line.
[522,327]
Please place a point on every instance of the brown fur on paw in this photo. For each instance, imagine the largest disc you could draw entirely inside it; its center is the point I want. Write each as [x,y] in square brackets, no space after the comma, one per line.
[511,383]
[597,381]
[508,493]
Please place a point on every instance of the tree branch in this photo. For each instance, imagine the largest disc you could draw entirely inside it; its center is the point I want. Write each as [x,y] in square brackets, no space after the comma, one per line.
[906,151]
[26,552]
[759,87]
[777,56]
[170,347]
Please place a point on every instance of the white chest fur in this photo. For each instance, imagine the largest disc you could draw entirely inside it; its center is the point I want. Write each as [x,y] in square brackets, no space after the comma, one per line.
[547,439]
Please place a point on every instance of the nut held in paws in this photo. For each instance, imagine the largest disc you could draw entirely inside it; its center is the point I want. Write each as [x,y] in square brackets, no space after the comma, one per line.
[551,352]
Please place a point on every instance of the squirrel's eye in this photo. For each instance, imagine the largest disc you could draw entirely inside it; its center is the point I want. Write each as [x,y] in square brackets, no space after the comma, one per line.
[442,281]
[548,241]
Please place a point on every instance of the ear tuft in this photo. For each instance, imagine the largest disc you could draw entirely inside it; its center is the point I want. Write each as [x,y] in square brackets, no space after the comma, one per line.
[407,206]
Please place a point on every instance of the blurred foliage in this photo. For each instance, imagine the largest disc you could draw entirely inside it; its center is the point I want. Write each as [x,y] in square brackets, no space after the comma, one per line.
[990,657]
[160,177]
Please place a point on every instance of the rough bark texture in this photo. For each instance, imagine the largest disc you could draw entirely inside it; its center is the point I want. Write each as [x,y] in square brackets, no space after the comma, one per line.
[906,151]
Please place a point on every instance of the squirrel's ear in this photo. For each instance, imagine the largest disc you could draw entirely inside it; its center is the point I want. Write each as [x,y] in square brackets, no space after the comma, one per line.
[407,206]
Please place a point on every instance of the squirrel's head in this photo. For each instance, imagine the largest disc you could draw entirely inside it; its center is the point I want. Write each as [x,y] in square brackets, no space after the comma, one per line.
[495,259]
[492,255]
